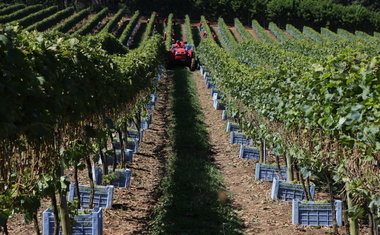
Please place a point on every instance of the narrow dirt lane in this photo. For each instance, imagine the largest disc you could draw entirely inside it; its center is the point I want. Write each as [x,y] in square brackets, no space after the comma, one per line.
[193,196]
[235,33]
[259,213]
[133,207]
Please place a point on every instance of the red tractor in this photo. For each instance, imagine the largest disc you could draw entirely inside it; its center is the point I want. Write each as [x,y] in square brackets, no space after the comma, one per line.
[182,54]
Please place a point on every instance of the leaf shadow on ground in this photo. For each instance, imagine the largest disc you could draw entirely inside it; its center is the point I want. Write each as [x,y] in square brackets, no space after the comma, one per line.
[193,201]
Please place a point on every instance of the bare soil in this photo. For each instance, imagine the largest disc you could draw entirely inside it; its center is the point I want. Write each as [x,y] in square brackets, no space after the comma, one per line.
[260,214]
[80,24]
[288,35]
[104,22]
[272,35]
[254,34]
[236,34]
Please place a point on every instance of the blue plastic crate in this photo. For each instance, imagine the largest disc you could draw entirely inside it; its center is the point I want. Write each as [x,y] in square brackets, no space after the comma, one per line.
[269,172]
[239,138]
[249,152]
[285,191]
[232,127]
[224,115]
[214,90]
[136,135]
[150,106]
[133,145]
[218,105]
[161,69]
[216,96]
[128,157]
[144,124]
[148,117]
[102,195]
[206,75]
[123,180]
[86,223]
[315,214]
[210,84]
[153,98]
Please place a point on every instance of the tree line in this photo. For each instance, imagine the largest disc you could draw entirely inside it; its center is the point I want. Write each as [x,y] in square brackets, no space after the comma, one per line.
[348,14]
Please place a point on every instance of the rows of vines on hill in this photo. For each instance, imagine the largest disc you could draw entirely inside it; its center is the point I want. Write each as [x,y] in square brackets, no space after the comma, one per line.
[314,103]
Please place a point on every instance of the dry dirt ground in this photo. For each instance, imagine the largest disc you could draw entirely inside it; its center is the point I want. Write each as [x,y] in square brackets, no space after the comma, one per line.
[132,207]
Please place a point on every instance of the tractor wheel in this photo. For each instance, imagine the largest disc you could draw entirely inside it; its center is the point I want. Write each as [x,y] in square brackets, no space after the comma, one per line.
[193,64]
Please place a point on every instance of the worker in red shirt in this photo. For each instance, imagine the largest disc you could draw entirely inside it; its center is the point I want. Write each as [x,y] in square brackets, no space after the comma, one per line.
[214,36]
[165,21]
[177,44]
[165,36]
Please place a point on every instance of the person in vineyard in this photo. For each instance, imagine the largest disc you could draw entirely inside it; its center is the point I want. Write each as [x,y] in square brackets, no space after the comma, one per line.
[164,36]
[177,44]
[165,21]
[200,26]
[214,36]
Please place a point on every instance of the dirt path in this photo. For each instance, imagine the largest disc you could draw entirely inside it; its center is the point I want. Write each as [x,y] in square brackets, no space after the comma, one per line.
[133,207]
[254,34]
[103,23]
[259,213]
[81,23]
[138,37]
[288,35]
[236,34]
[272,35]
[193,195]
[183,30]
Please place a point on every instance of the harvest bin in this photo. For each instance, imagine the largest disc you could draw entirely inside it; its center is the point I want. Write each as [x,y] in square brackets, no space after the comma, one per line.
[269,172]
[136,135]
[210,84]
[218,105]
[128,157]
[144,124]
[103,195]
[239,138]
[133,145]
[216,95]
[213,91]
[232,127]
[123,180]
[249,152]
[224,115]
[282,190]
[86,223]
[315,214]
